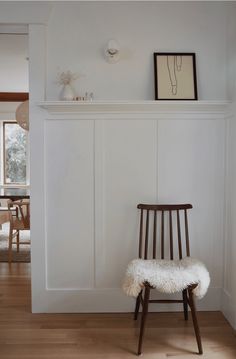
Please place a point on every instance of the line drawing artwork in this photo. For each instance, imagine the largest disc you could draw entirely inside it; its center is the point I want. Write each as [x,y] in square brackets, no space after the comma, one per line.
[174,64]
[175,76]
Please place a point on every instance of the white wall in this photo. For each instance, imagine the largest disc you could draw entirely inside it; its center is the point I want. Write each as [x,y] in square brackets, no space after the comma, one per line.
[24,12]
[13,63]
[78,32]
[229,293]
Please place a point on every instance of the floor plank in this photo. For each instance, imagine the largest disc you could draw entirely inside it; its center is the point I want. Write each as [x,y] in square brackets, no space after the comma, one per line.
[99,336]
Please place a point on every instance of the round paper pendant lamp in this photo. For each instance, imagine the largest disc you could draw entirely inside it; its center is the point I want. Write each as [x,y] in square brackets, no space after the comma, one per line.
[22,115]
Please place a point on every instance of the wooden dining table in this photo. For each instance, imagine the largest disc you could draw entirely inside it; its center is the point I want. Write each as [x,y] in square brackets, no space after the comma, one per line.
[14,193]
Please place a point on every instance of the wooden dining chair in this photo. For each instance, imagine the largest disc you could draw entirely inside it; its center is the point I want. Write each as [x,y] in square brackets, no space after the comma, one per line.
[19,222]
[148,250]
[4,214]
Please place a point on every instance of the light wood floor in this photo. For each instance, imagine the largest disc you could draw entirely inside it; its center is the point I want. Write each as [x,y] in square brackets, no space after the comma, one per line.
[98,336]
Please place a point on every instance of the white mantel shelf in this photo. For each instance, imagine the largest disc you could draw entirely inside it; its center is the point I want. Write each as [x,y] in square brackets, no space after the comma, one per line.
[135,109]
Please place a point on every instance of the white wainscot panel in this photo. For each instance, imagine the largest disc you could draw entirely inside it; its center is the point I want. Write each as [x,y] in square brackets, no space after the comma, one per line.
[129,177]
[69,178]
[100,160]
[191,170]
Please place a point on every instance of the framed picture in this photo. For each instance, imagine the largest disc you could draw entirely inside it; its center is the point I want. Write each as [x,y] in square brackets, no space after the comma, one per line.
[175,76]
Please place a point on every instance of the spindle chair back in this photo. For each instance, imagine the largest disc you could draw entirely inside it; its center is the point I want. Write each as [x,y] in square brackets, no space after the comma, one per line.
[152,232]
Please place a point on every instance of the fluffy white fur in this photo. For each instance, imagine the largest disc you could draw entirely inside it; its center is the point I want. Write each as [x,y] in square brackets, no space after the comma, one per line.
[167,276]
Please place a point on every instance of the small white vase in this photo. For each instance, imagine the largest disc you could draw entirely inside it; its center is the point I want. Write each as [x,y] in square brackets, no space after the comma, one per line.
[67,93]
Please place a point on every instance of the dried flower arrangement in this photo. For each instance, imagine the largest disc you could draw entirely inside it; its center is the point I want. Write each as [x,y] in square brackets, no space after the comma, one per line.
[67,77]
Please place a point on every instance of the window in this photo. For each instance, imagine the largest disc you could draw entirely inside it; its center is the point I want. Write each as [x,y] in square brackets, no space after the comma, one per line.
[14,151]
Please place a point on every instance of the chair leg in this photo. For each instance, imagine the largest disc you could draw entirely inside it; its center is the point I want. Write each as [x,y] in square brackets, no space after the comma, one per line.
[144,316]
[195,321]
[10,245]
[18,241]
[138,302]
[185,304]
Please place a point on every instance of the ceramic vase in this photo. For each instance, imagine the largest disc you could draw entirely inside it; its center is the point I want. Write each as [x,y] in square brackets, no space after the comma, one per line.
[67,93]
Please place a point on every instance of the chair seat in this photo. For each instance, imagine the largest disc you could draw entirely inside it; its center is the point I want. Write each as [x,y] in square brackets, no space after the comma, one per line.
[167,276]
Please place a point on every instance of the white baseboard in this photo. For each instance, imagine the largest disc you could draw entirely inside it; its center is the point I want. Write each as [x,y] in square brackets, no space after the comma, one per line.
[228,308]
[112,300]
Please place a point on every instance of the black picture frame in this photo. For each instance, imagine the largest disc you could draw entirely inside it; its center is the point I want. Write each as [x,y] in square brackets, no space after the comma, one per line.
[175,76]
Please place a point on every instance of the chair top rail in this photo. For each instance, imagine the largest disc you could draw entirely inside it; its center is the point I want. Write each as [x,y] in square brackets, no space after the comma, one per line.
[164,207]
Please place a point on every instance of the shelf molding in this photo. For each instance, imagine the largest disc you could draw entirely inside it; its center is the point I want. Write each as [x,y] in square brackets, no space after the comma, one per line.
[135,109]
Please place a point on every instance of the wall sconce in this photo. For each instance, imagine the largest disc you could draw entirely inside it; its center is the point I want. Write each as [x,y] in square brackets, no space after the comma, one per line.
[112,51]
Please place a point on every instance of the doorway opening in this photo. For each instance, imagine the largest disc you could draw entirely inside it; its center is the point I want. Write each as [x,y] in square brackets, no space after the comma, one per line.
[14,148]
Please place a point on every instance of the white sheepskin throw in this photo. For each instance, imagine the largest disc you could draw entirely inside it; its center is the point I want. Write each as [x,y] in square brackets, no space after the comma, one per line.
[167,276]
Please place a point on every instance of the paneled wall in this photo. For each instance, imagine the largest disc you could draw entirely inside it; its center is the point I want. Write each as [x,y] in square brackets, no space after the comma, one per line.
[229,288]
[98,166]
[69,180]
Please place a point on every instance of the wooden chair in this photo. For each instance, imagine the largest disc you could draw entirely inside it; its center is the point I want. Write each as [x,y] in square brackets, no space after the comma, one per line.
[19,222]
[144,250]
[4,214]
